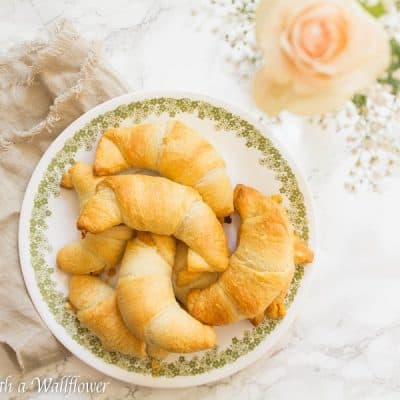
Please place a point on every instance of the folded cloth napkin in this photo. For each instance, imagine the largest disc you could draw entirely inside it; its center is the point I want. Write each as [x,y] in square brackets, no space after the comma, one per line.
[44,86]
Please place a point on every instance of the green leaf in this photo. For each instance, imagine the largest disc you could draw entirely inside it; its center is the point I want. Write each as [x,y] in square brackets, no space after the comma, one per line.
[376,10]
[360,101]
[390,78]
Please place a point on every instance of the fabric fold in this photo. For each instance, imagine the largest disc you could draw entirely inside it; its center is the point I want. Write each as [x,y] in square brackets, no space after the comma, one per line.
[44,86]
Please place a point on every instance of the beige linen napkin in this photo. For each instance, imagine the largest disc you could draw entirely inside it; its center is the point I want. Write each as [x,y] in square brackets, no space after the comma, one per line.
[44,86]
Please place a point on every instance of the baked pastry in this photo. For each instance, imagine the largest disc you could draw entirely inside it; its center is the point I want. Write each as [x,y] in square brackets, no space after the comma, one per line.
[80,177]
[302,253]
[157,205]
[197,264]
[260,270]
[173,150]
[96,308]
[93,253]
[183,279]
[147,302]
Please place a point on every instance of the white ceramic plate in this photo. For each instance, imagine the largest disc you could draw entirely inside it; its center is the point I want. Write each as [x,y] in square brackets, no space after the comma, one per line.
[49,213]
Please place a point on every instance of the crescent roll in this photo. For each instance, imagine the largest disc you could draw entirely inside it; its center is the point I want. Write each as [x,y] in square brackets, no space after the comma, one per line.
[260,270]
[96,308]
[157,205]
[173,150]
[147,302]
[184,280]
[80,177]
[94,252]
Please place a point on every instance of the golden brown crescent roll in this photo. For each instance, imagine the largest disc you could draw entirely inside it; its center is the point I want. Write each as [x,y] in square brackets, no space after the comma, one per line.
[184,280]
[96,308]
[147,302]
[157,205]
[260,270]
[302,255]
[175,151]
[95,252]
[80,177]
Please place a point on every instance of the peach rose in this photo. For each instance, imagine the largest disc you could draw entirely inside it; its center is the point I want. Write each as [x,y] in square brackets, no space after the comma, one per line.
[317,54]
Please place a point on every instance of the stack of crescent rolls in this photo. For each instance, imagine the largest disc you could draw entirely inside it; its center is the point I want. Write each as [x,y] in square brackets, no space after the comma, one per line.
[162,238]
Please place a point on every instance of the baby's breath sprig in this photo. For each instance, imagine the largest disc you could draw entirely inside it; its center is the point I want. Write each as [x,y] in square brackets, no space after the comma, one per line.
[238,18]
[372,134]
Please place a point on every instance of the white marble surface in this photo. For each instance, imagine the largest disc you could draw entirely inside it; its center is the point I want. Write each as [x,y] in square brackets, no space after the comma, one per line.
[346,341]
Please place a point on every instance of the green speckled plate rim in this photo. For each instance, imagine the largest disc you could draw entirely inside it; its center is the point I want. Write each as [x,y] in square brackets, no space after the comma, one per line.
[34,245]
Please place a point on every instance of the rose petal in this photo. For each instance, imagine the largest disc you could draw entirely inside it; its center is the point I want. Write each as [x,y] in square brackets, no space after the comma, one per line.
[363,29]
[333,23]
[273,98]
[269,95]
[269,24]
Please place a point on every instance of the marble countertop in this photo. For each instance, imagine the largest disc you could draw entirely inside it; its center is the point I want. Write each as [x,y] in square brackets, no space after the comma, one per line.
[345,342]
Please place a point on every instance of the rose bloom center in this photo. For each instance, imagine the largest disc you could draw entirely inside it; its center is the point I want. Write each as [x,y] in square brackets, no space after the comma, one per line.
[317,36]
